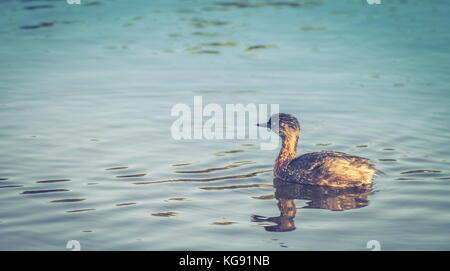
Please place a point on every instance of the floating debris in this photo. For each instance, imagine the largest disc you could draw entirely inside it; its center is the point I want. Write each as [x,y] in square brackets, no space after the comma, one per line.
[362,146]
[388,149]
[66,200]
[421,171]
[44,191]
[55,181]
[132,175]
[166,214]
[3,179]
[398,85]
[87,231]
[387,160]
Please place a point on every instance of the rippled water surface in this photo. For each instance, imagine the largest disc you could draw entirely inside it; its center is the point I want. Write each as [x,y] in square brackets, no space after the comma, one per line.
[86,151]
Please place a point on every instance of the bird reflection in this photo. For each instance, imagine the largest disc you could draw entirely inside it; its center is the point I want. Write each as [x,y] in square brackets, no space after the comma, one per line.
[319,197]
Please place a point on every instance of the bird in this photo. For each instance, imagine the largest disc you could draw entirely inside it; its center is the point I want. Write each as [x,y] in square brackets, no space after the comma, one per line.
[324,168]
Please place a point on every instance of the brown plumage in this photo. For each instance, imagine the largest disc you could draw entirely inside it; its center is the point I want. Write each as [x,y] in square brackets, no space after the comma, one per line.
[327,168]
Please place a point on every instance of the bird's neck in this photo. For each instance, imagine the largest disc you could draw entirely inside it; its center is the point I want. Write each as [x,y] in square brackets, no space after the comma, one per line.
[287,153]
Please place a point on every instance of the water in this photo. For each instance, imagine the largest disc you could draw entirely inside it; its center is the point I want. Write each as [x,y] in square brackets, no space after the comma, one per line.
[86,149]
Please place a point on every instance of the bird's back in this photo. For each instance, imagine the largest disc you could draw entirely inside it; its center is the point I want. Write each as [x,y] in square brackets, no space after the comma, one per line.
[331,169]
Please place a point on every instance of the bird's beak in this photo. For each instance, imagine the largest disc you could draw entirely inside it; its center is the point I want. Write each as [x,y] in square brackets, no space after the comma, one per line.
[262,125]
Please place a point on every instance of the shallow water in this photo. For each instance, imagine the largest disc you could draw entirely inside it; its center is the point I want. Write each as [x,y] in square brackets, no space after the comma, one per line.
[86,149]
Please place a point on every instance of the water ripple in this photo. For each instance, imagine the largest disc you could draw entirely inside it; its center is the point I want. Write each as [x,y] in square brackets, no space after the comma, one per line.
[55,181]
[207,179]
[234,165]
[44,191]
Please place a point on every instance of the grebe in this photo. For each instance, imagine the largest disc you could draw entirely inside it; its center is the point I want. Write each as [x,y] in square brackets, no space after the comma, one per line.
[327,168]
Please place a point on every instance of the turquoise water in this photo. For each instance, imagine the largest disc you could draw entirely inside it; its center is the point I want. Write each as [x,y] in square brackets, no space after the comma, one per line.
[87,154]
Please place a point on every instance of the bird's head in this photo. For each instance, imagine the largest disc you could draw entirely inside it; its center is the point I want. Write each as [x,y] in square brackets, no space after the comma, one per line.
[283,124]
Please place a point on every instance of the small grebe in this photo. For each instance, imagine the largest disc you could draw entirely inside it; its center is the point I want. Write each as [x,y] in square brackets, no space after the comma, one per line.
[328,168]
